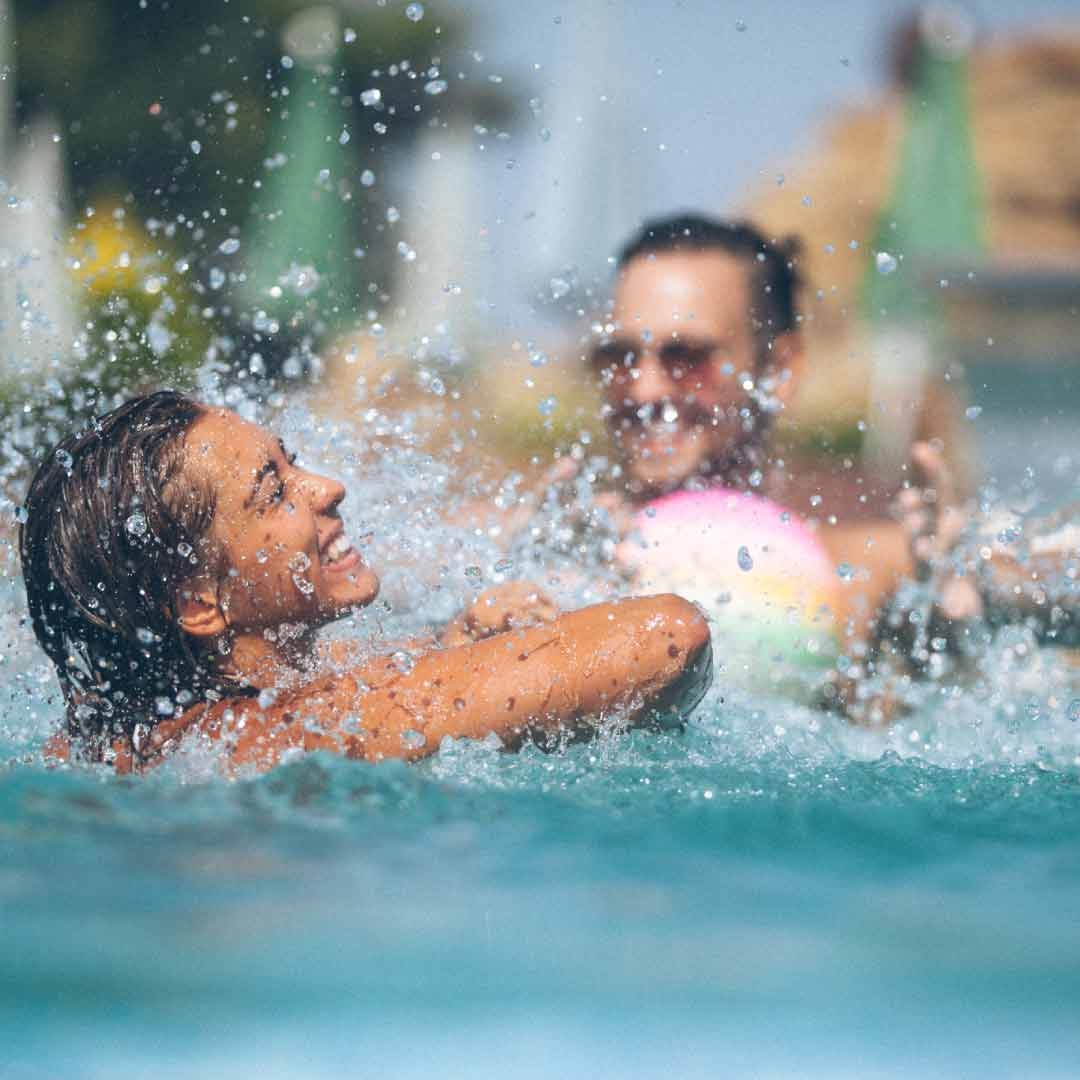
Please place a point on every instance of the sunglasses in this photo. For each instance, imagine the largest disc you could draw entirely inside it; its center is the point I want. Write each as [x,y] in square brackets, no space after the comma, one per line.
[617,357]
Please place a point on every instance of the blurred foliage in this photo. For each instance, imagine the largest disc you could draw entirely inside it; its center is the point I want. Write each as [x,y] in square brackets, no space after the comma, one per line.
[172,112]
[146,321]
[134,84]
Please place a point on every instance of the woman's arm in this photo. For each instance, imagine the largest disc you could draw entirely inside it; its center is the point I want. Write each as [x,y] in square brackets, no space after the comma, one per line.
[640,658]
[510,606]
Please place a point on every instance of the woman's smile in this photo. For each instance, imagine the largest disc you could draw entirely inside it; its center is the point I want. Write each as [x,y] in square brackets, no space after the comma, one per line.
[337,554]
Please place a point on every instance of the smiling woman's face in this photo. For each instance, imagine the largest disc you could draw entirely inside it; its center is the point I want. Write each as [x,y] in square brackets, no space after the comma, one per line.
[276,529]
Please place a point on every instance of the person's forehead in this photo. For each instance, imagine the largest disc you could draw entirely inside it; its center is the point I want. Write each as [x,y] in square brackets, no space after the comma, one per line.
[710,288]
[223,444]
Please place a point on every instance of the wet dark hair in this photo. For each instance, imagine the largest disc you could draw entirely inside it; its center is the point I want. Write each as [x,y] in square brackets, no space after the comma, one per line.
[775,280]
[112,531]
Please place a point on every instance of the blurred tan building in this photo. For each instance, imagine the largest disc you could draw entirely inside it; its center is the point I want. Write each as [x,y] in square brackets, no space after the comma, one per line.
[1022,303]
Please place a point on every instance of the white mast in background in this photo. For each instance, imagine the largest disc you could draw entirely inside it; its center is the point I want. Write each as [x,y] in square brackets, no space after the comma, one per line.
[37,310]
[587,194]
[442,252]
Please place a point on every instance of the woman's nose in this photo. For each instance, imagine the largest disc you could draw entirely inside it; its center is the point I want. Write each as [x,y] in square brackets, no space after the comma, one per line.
[324,494]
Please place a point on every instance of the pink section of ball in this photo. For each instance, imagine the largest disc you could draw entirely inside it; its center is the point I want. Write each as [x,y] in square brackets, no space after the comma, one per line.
[689,525]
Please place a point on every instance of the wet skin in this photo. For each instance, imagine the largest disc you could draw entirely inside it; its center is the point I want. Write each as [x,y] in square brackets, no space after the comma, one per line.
[277,539]
[275,557]
[637,661]
[673,409]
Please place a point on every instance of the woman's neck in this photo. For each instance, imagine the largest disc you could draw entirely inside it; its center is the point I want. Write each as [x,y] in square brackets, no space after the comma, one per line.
[263,659]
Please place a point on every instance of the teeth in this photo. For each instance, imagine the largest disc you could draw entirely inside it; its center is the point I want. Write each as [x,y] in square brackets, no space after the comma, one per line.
[338,548]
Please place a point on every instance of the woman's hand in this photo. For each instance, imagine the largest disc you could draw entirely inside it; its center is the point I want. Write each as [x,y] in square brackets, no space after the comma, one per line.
[512,606]
[934,521]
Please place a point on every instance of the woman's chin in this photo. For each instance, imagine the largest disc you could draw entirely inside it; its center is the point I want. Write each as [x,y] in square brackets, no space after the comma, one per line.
[356,591]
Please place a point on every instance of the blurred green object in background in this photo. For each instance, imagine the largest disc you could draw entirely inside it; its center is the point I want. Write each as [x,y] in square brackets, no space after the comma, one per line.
[935,210]
[304,228]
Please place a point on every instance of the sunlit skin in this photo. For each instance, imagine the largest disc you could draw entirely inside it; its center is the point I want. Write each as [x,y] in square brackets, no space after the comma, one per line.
[275,559]
[277,544]
[674,410]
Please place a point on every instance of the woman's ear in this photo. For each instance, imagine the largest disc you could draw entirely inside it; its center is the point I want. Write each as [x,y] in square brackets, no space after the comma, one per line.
[199,610]
[786,362]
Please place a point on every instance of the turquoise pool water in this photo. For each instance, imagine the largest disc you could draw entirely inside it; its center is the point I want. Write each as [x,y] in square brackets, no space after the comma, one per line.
[728,899]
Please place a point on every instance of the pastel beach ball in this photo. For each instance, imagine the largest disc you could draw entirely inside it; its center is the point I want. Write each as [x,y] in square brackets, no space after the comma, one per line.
[757,570]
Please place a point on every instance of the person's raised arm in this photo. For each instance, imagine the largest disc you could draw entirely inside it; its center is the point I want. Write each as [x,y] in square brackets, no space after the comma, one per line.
[637,659]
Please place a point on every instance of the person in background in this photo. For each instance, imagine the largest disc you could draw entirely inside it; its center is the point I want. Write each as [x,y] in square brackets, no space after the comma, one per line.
[703,350]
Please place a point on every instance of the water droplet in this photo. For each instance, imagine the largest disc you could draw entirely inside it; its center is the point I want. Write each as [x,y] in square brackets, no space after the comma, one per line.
[144,635]
[349,35]
[370,97]
[159,338]
[435,87]
[343,138]
[196,146]
[299,562]
[21,515]
[545,134]
[973,412]
[547,406]
[473,571]
[302,583]
[413,739]
[504,566]
[230,246]
[136,524]
[163,706]
[845,572]
[367,178]
[559,287]
[414,12]
[217,277]
[1073,712]
[745,560]
[67,462]
[262,555]
[267,697]
[302,280]
[740,26]
[403,661]
[885,262]
[393,215]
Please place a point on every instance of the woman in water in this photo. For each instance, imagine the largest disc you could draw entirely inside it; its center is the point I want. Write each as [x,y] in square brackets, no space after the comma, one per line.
[178,563]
